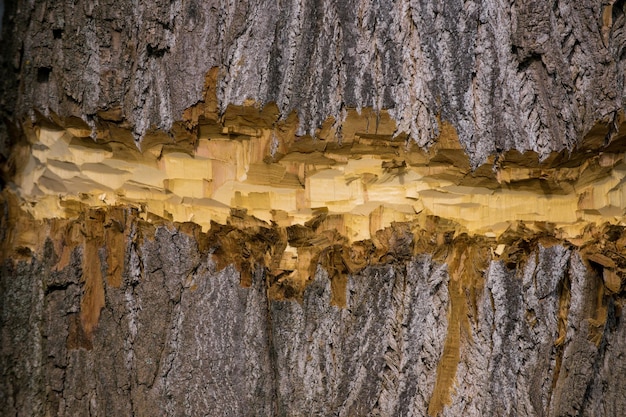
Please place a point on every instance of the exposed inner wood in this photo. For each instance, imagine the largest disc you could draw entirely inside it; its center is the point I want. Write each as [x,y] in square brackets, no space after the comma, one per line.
[268,197]
[253,194]
[248,169]
[251,161]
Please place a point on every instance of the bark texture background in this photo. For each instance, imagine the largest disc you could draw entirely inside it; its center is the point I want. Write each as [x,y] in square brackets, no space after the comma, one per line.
[179,338]
[531,75]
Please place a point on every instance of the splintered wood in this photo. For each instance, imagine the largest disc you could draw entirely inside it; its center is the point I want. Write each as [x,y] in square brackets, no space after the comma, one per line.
[254,195]
[250,160]
[269,197]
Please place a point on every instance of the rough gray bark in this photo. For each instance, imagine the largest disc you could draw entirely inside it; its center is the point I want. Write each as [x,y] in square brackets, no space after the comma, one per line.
[179,338]
[529,75]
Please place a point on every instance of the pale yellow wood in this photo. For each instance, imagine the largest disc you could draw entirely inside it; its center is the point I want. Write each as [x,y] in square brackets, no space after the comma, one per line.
[180,165]
[366,184]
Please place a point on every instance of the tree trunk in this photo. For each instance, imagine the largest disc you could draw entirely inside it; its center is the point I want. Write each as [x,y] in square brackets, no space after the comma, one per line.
[313,208]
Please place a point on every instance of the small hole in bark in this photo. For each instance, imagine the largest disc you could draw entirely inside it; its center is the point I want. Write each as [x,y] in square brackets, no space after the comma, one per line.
[43,74]
[528,61]
[57,33]
[156,51]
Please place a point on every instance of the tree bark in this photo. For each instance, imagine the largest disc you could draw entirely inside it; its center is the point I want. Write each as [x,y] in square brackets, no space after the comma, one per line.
[508,75]
[113,315]
[178,337]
